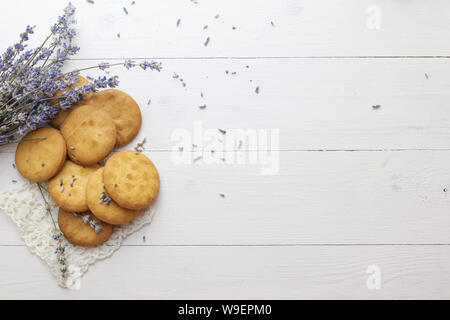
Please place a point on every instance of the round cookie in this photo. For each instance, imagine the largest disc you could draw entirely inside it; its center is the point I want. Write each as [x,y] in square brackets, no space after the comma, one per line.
[131,180]
[62,114]
[77,229]
[41,154]
[103,207]
[68,187]
[90,134]
[124,111]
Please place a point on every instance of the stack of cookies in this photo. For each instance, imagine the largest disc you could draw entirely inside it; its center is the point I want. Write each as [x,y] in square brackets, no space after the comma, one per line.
[92,199]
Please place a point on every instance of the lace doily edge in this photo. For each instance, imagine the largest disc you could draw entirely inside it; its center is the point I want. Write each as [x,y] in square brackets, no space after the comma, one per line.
[54,270]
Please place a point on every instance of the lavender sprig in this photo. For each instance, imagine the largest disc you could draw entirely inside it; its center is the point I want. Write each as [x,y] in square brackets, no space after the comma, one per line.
[30,78]
[57,236]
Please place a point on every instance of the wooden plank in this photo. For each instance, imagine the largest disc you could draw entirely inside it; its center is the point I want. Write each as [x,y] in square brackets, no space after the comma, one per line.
[315,104]
[315,198]
[407,272]
[302,28]
[312,229]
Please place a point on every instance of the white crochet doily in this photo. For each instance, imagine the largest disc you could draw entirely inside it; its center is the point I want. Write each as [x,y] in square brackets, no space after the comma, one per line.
[27,209]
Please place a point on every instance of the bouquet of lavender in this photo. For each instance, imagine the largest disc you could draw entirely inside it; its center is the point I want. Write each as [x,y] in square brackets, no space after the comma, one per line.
[29,79]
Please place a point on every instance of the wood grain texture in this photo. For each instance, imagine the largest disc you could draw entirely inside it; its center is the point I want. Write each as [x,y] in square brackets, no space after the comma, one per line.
[302,28]
[316,198]
[356,186]
[407,272]
[315,104]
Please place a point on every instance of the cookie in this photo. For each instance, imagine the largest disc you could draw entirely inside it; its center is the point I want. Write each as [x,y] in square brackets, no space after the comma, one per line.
[90,134]
[131,179]
[41,154]
[62,114]
[68,187]
[102,206]
[124,111]
[83,229]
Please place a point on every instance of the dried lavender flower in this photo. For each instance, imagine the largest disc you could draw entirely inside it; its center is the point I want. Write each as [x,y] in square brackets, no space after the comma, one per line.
[104,198]
[129,64]
[103,65]
[95,224]
[152,65]
[140,145]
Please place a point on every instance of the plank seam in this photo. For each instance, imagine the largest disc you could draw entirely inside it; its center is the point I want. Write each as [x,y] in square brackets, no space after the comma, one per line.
[266,58]
[277,245]
[290,150]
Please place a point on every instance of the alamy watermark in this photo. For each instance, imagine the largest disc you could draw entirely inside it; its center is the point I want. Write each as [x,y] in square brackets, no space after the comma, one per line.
[200,145]
[374,280]
[373,21]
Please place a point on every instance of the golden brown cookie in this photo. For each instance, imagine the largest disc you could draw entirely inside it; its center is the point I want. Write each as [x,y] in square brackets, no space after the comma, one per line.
[102,206]
[124,111]
[90,134]
[62,114]
[41,154]
[68,187]
[83,229]
[131,180]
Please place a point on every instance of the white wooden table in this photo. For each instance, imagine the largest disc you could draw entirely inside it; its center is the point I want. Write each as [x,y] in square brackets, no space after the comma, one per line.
[357,188]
